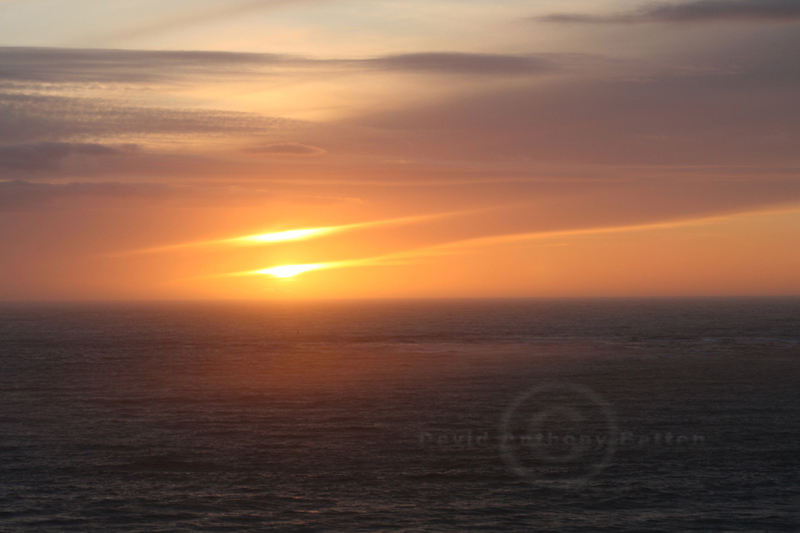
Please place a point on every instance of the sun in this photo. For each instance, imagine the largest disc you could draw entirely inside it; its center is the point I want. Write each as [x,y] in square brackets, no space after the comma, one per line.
[288,271]
[291,235]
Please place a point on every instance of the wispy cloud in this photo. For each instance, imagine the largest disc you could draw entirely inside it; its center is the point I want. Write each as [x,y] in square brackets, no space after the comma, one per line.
[286,148]
[468,63]
[697,11]
[36,117]
[65,65]
[717,113]
[71,65]
[47,155]
[23,195]
[196,17]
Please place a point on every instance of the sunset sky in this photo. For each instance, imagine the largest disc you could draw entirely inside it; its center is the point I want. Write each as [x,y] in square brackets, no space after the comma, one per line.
[228,149]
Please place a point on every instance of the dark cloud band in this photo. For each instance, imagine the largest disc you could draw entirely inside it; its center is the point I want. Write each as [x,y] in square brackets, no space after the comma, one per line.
[58,65]
[285,148]
[697,11]
[19,194]
[47,155]
[461,63]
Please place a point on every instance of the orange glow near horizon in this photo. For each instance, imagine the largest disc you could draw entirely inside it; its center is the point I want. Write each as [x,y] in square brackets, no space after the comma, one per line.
[451,248]
[451,260]
[445,258]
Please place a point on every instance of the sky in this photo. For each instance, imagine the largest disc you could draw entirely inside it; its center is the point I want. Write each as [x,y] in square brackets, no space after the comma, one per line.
[296,149]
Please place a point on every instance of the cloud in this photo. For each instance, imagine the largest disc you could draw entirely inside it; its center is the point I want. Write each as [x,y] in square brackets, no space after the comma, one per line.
[26,117]
[286,148]
[463,63]
[697,11]
[63,65]
[663,122]
[47,155]
[732,106]
[23,195]
[66,65]
[197,17]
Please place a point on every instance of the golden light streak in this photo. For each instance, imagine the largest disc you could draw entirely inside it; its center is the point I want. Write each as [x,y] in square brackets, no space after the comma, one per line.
[451,247]
[299,234]
[302,234]
[669,224]
[262,238]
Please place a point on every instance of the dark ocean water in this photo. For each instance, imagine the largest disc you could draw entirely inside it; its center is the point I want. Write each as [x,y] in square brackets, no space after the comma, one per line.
[547,416]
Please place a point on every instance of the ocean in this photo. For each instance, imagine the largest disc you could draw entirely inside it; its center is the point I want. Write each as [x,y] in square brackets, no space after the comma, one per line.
[614,415]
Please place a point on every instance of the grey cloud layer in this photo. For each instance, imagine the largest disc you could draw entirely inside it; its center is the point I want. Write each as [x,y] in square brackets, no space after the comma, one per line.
[23,195]
[736,105]
[29,115]
[64,65]
[56,65]
[461,63]
[741,118]
[26,118]
[697,11]
[285,148]
[47,155]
